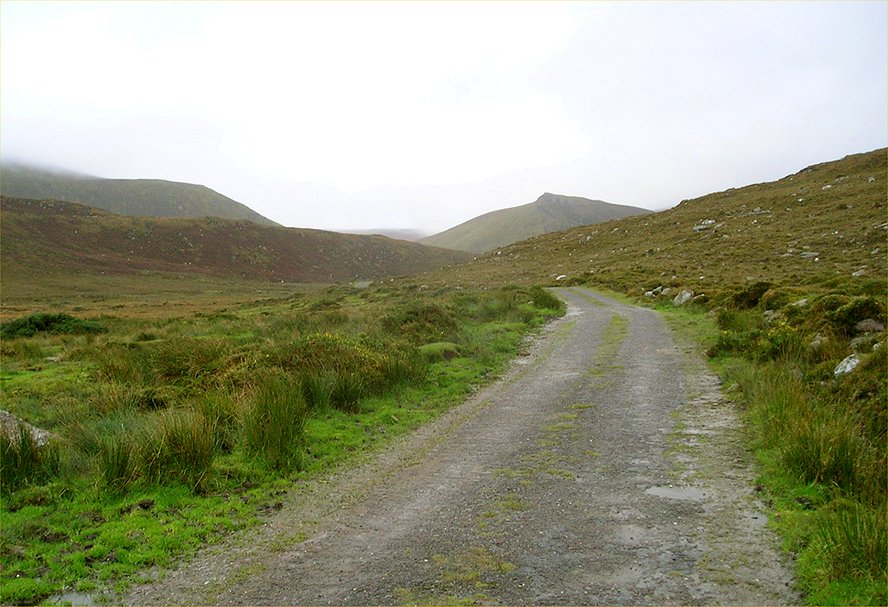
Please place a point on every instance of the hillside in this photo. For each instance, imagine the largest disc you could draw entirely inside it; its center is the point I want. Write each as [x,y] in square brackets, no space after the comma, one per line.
[135,197]
[825,224]
[49,237]
[549,213]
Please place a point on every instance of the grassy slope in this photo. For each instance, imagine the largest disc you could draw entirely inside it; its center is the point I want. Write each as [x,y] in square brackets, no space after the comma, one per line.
[760,233]
[550,213]
[43,238]
[137,197]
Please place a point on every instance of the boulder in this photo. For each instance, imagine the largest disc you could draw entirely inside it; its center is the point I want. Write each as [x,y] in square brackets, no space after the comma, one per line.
[869,325]
[848,364]
[683,297]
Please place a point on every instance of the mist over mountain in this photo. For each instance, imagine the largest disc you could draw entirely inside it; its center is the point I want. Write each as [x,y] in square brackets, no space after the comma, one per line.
[134,197]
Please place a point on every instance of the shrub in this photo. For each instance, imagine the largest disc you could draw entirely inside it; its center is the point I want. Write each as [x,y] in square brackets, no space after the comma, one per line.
[422,323]
[545,299]
[749,296]
[845,317]
[274,427]
[23,461]
[56,324]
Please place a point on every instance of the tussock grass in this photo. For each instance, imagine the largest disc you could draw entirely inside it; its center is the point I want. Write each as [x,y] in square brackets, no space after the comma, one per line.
[274,426]
[204,417]
[23,462]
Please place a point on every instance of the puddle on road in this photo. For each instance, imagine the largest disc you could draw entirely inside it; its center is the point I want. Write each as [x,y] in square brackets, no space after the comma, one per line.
[694,494]
[77,598]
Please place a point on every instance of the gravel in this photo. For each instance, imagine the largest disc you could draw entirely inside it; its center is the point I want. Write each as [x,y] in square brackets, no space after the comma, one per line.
[600,469]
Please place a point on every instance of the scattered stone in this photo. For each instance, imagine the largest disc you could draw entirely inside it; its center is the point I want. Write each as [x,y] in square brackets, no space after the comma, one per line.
[869,325]
[772,316]
[666,291]
[561,277]
[809,254]
[858,273]
[801,303]
[704,225]
[864,343]
[683,297]
[818,342]
[826,187]
[10,424]
[847,365]
[871,179]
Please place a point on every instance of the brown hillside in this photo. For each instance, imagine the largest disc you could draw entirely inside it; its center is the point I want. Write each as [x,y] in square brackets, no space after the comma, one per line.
[52,237]
[818,226]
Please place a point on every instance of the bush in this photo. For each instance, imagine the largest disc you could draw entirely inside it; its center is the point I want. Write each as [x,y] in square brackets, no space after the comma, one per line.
[274,427]
[422,323]
[845,317]
[749,296]
[56,324]
[545,299]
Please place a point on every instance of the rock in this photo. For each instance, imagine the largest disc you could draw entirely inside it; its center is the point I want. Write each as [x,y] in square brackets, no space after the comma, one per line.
[650,294]
[858,273]
[871,179]
[864,343]
[561,277]
[772,316]
[809,254]
[683,297]
[10,424]
[847,365]
[817,343]
[704,225]
[869,325]
[801,303]
[666,291]
[826,187]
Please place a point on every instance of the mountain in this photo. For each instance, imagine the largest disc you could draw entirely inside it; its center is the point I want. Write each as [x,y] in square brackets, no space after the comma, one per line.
[825,224]
[550,213]
[397,233]
[135,197]
[49,237]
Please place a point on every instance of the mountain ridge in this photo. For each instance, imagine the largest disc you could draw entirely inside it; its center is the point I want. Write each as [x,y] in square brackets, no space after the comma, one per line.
[133,197]
[548,213]
[42,237]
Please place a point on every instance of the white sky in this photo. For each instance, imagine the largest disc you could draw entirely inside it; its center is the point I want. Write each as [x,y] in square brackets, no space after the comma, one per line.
[425,114]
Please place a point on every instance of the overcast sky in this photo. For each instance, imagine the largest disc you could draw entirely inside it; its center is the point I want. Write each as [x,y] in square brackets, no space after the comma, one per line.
[425,114]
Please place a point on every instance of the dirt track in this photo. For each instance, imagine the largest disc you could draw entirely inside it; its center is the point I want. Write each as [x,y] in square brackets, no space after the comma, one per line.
[603,468]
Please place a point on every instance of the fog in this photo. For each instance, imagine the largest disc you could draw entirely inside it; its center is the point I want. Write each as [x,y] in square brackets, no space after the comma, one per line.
[421,115]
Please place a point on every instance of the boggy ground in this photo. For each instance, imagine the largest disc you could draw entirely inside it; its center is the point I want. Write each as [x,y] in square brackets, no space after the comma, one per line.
[603,468]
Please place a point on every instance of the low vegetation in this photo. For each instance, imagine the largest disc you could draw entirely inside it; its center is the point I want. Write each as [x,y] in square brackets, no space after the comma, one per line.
[170,433]
[818,424]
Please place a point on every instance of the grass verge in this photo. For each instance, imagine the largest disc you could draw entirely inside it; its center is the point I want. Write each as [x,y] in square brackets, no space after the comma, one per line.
[169,434]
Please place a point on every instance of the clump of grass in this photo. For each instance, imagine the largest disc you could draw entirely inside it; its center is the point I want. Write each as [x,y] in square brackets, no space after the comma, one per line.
[178,449]
[222,413]
[274,426]
[55,324]
[23,461]
[853,540]
[422,322]
[117,463]
[541,298]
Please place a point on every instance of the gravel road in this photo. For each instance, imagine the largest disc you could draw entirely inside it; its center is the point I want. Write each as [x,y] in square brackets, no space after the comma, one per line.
[603,468]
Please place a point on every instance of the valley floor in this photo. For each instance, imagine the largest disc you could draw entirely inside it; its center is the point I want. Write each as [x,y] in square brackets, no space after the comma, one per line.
[604,468]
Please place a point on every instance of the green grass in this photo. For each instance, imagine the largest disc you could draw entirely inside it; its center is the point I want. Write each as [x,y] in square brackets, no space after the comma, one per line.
[176,432]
